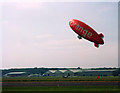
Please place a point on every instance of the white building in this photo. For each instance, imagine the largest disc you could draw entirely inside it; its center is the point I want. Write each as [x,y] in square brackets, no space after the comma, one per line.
[16,74]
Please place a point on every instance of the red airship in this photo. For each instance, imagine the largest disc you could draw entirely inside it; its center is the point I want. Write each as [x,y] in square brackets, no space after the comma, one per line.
[85,31]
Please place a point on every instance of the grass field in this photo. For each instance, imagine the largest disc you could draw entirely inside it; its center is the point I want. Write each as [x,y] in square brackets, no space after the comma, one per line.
[24,89]
[80,78]
[65,88]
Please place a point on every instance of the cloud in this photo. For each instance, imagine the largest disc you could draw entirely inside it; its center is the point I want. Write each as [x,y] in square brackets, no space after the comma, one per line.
[29,38]
[43,36]
[61,45]
[28,5]
[5,22]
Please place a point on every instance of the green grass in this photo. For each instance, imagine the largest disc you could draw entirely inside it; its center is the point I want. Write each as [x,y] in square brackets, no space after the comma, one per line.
[106,89]
[65,88]
[80,78]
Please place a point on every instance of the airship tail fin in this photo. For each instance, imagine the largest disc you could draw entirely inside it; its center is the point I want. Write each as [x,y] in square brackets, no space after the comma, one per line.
[101,35]
[96,45]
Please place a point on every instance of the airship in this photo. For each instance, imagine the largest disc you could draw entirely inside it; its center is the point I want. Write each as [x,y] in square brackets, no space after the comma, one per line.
[86,32]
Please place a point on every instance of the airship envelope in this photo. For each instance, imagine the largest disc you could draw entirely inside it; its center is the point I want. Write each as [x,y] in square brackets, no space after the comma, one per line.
[86,32]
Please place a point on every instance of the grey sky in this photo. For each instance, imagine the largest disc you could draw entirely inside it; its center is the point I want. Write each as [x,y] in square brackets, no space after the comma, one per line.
[38,34]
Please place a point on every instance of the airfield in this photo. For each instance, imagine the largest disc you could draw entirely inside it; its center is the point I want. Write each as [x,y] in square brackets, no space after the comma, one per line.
[105,84]
[62,83]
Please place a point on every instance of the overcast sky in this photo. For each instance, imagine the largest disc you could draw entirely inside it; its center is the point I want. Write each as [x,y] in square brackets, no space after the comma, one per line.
[38,34]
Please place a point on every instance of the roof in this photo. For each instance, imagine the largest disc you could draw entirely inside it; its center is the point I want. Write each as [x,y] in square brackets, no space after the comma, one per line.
[53,71]
[16,73]
[63,71]
[98,70]
[76,71]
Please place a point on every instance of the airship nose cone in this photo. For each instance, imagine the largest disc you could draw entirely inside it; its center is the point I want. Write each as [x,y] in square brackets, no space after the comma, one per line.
[70,22]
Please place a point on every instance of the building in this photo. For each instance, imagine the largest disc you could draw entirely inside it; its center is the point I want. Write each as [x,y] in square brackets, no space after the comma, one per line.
[96,73]
[76,72]
[70,73]
[34,75]
[59,73]
[50,73]
[16,74]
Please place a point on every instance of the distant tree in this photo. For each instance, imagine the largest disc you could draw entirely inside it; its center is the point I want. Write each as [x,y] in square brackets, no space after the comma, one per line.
[35,67]
[79,68]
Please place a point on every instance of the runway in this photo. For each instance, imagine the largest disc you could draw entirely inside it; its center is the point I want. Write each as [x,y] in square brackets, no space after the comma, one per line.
[62,83]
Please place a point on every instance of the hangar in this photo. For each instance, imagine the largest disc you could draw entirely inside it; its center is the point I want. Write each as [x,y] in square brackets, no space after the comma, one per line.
[16,74]
[96,73]
[49,73]
[60,73]
[79,73]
